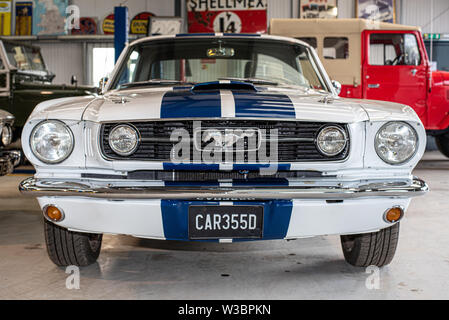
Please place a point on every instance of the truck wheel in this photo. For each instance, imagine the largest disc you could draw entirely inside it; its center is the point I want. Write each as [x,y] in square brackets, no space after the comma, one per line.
[443,144]
[66,248]
[375,248]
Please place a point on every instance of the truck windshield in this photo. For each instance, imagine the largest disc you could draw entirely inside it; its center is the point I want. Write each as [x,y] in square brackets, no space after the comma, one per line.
[24,57]
[187,60]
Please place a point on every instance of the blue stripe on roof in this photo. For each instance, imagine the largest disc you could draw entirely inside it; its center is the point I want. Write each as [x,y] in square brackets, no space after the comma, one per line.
[208,34]
[185,104]
[263,105]
[242,34]
[194,34]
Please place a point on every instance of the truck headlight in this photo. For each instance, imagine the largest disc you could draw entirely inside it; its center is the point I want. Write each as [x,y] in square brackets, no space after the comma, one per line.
[331,140]
[6,134]
[51,141]
[124,139]
[396,142]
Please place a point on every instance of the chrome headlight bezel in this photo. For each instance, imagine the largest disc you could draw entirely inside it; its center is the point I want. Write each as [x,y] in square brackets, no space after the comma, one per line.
[331,127]
[38,155]
[7,134]
[409,157]
[137,137]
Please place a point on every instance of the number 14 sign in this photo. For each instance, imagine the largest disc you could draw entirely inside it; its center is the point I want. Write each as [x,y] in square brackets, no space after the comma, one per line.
[227,16]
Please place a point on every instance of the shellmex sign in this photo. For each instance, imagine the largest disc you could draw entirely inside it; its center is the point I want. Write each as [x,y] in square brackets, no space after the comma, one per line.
[227,16]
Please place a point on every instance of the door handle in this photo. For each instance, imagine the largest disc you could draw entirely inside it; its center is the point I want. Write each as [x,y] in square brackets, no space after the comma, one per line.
[414,71]
[373,86]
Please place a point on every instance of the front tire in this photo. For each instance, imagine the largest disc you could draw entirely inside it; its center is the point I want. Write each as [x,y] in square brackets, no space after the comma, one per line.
[375,248]
[442,142]
[66,248]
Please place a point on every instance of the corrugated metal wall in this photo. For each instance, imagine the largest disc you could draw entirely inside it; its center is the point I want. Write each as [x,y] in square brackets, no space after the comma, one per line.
[63,59]
[101,8]
[417,12]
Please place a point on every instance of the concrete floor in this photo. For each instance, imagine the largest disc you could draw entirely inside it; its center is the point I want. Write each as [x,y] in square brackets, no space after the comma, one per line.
[130,268]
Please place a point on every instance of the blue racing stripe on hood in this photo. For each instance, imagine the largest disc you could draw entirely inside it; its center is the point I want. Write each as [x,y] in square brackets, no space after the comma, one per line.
[263,105]
[186,104]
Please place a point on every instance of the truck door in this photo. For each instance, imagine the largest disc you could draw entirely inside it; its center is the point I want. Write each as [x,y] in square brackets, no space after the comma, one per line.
[395,68]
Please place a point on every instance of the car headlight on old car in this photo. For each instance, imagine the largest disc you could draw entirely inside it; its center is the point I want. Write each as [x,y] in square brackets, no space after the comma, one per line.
[124,139]
[331,140]
[51,141]
[6,135]
[396,142]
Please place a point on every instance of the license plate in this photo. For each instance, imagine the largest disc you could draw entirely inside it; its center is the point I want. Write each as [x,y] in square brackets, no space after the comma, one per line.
[219,222]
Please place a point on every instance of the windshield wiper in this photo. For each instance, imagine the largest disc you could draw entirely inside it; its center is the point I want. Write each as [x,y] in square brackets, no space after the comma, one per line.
[251,80]
[152,82]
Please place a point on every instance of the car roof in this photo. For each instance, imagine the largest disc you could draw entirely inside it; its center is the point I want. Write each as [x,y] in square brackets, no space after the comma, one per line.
[221,35]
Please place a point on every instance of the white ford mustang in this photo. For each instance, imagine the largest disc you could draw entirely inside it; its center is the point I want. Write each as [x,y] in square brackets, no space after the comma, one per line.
[222,138]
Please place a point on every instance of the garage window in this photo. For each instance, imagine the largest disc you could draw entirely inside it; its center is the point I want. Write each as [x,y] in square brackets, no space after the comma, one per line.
[103,63]
[394,49]
[336,48]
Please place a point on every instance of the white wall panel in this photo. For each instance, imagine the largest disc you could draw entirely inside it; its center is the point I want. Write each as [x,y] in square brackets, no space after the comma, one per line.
[417,12]
[279,9]
[64,59]
[101,8]
[346,9]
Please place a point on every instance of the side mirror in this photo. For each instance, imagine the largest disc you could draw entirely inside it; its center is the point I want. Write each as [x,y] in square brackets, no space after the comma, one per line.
[102,83]
[337,86]
[74,80]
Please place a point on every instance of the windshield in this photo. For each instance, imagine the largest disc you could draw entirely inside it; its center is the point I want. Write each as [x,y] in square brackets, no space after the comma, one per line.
[24,57]
[261,61]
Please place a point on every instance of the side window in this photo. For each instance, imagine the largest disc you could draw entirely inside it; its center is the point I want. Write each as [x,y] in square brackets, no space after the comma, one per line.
[309,76]
[270,67]
[411,50]
[394,49]
[129,74]
[310,41]
[336,48]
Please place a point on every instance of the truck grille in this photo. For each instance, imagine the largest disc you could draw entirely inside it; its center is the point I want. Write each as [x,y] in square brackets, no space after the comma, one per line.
[296,140]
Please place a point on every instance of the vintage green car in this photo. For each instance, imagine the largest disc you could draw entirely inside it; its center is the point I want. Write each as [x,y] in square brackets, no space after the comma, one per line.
[25,81]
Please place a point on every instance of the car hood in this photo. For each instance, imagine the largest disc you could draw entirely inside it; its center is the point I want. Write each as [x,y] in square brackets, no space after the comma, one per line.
[172,103]
[182,102]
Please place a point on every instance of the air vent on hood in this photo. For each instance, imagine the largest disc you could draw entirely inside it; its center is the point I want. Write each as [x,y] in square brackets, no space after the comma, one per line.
[224,86]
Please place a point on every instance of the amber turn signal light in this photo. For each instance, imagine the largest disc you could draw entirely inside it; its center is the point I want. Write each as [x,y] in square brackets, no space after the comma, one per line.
[53,213]
[394,214]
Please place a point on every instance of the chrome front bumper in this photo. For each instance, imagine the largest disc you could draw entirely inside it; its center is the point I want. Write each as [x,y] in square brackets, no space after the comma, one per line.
[332,190]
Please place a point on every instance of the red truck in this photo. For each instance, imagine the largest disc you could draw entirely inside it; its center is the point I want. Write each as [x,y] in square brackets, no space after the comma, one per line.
[379,61]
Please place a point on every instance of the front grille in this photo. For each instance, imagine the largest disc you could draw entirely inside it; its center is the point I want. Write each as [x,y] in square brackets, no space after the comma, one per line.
[296,140]
[210,175]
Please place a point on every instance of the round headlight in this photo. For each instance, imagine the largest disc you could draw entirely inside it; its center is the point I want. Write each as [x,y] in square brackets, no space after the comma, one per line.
[331,140]
[124,139]
[6,135]
[396,142]
[51,141]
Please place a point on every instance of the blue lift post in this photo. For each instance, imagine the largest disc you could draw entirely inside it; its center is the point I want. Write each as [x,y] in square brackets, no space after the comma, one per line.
[121,28]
